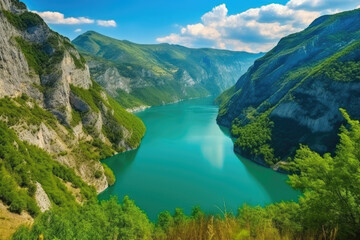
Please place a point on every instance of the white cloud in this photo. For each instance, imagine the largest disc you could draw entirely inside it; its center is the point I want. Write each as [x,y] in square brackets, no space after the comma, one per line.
[59,18]
[78,30]
[106,23]
[257,29]
[322,5]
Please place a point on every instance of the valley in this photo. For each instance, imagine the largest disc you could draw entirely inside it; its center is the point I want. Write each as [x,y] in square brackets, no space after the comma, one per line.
[147,75]
[102,138]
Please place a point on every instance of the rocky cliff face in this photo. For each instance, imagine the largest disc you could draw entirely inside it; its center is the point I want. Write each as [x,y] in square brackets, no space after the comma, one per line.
[44,69]
[300,86]
[158,74]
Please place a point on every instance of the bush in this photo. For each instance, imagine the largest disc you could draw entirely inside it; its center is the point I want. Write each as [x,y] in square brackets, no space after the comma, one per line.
[255,136]
[110,177]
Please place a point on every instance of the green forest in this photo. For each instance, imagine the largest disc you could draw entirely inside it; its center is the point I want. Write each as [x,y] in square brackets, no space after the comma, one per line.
[328,208]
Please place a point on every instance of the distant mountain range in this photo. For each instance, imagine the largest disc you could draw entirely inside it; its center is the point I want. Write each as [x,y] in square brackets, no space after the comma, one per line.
[136,74]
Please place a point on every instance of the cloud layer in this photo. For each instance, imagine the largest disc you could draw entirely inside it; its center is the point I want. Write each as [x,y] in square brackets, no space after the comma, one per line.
[59,18]
[106,23]
[257,29]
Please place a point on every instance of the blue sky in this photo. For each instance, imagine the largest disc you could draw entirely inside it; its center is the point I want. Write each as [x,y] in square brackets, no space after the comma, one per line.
[238,25]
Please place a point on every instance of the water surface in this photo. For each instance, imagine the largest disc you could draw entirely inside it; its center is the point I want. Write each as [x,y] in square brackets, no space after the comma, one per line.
[186,159]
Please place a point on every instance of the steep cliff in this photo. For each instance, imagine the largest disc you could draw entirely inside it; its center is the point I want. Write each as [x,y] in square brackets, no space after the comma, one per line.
[47,99]
[138,74]
[292,95]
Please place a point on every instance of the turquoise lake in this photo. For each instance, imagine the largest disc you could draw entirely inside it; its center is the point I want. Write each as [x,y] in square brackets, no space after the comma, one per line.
[186,160]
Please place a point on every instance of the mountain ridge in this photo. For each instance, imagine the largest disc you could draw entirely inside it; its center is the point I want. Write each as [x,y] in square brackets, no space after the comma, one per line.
[155,74]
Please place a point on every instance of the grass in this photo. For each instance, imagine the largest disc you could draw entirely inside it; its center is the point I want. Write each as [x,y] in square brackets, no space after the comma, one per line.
[9,221]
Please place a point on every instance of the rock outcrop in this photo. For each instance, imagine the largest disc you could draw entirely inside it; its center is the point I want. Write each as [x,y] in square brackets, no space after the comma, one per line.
[43,67]
[42,198]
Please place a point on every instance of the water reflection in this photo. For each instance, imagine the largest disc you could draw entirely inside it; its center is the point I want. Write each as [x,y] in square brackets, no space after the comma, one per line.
[259,174]
[121,163]
[212,146]
[185,159]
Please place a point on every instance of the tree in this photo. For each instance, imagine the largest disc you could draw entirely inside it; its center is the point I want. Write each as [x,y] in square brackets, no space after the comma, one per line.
[331,184]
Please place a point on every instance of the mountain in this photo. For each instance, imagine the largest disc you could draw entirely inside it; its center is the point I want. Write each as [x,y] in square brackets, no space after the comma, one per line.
[55,122]
[292,95]
[136,74]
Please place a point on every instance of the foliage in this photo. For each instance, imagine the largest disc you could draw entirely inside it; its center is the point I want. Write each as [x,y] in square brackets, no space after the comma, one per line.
[114,116]
[255,136]
[75,118]
[22,165]
[92,150]
[14,110]
[109,174]
[331,184]
[79,63]
[127,100]
[328,208]
[89,96]
[107,220]
[343,71]
[37,56]
[24,20]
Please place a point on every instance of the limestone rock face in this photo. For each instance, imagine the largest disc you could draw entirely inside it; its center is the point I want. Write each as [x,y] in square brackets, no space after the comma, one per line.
[14,72]
[50,88]
[42,198]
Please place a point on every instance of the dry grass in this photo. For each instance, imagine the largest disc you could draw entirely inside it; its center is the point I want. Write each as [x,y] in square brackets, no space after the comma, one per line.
[9,222]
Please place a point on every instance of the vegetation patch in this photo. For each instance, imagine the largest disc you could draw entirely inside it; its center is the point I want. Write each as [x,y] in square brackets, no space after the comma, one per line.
[24,20]
[115,116]
[22,165]
[255,137]
[19,4]
[38,58]
[79,63]
[109,174]
[16,110]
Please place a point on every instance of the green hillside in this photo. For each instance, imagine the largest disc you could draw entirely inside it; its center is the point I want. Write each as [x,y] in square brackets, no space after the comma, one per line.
[136,74]
[291,96]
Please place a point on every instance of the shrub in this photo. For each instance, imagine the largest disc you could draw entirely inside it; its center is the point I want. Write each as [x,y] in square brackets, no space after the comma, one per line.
[110,177]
